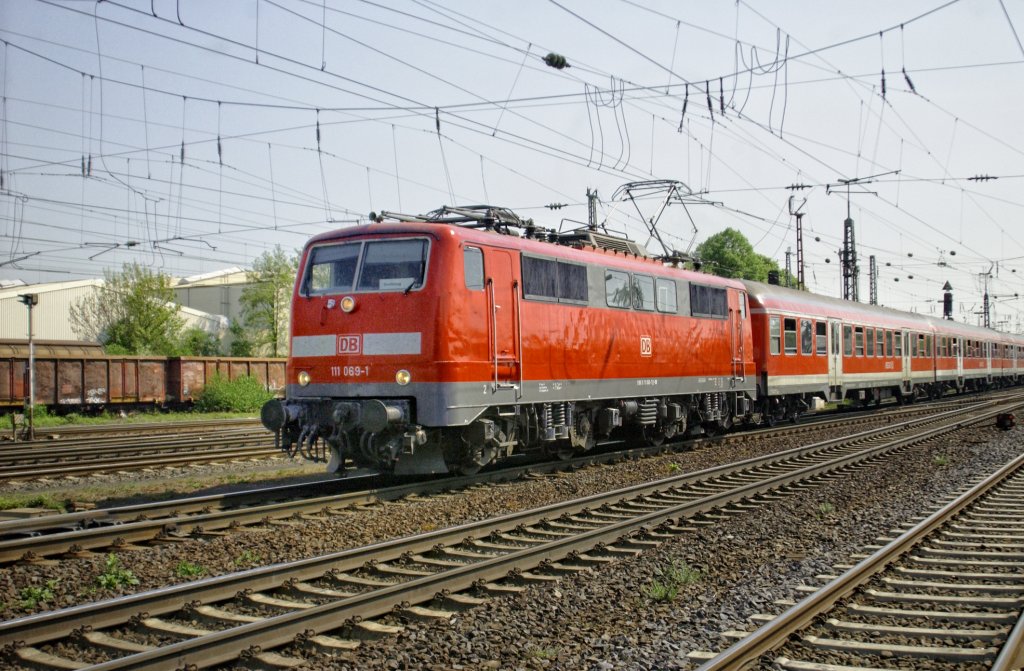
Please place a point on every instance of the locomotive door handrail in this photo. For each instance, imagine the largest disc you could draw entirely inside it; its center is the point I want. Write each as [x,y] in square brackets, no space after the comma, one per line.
[497,359]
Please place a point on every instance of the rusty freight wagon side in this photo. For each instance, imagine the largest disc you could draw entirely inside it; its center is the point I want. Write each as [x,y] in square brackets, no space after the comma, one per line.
[187,376]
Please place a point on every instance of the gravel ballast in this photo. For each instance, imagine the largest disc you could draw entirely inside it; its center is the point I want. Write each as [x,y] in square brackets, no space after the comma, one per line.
[600,620]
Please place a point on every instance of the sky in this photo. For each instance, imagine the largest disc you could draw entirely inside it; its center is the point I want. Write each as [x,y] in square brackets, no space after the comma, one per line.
[191,136]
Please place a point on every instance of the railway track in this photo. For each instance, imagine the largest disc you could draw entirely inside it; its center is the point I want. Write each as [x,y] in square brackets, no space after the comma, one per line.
[325,601]
[948,590]
[78,533]
[153,448]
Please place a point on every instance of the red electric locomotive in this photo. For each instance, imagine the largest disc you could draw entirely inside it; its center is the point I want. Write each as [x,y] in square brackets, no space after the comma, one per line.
[446,342]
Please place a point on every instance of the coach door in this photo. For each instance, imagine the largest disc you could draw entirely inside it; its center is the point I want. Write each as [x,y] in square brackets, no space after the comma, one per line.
[503,308]
[908,339]
[958,349]
[739,317]
[835,354]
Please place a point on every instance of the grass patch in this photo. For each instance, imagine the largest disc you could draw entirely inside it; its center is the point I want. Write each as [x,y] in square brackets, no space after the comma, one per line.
[46,420]
[940,460]
[49,501]
[114,575]
[186,569]
[825,509]
[247,558]
[33,595]
[671,579]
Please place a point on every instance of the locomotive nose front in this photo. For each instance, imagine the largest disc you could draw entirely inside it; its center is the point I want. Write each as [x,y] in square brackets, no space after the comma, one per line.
[356,366]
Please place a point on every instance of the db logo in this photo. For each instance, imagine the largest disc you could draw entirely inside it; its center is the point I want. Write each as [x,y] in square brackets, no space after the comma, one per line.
[646,349]
[348,344]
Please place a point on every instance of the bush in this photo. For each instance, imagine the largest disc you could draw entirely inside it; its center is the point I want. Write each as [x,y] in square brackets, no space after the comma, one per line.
[243,394]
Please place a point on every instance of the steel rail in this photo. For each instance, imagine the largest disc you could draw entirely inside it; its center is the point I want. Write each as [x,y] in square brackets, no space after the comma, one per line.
[744,653]
[222,646]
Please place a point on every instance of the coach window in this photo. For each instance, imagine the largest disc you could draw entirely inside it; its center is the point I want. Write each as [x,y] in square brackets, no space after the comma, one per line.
[847,340]
[897,339]
[869,339]
[806,337]
[928,346]
[643,292]
[774,335]
[879,343]
[822,337]
[888,343]
[858,341]
[473,267]
[789,335]
[666,295]
[616,289]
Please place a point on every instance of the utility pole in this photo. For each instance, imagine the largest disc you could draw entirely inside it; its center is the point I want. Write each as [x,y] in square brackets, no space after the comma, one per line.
[848,255]
[947,301]
[799,238]
[30,301]
[872,280]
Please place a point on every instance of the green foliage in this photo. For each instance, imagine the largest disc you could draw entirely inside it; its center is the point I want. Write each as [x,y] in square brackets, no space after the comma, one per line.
[672,578]
[114,575]
[186,569]
[825,509]
[730,254]
[243,394]
[32,595]
[241,345]
[940,460]
[134,312]
[266,301]
[197,342]
[247,558]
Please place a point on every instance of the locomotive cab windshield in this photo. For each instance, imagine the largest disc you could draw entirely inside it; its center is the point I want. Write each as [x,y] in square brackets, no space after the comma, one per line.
[367,266]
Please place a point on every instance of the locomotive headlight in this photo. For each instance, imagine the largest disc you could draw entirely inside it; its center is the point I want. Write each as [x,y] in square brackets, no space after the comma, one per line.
[403,377]
[303,378]
[348,304]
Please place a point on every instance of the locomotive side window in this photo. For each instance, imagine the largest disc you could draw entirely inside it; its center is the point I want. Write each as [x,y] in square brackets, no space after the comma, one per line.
[393,265]
[666,295]
[332,268]
[708,301]
[473,267]
[540,278]
[822,338]
[789,335]
[806,337]
[775,335]
[572,282]
[643,292]
[616,289]
[847,340]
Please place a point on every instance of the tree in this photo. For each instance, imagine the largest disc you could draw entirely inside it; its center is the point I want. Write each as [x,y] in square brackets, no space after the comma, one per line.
[266,301]
[134,312]
[197,342]
[730,254]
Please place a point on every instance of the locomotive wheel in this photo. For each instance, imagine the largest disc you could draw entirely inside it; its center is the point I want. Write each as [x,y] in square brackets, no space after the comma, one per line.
[474,458]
